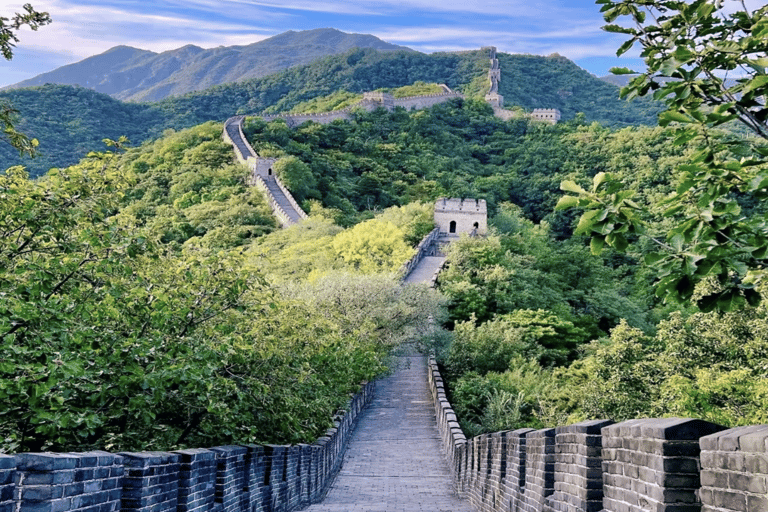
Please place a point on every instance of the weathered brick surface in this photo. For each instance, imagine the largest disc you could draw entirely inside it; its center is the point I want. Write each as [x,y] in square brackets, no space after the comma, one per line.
[231,478]
[578,468]
[197,480]
[81,482]
[734,470]
[540,469]
[7,485]
[514,483]
[653,464]
[151,481]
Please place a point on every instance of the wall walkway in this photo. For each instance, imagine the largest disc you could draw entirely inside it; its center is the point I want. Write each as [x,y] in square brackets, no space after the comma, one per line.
[394,462]
[284,206]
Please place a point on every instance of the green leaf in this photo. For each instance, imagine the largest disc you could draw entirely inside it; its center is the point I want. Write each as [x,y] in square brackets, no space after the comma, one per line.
[756,83]
[599,179]
[571,186]
[566,202]
[624,48]
[667,117]
[622,71]
[596,245]
[586,222]
[618,241]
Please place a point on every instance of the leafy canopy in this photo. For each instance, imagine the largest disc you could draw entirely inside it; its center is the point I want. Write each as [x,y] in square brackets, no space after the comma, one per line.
[708,64]
[8,40]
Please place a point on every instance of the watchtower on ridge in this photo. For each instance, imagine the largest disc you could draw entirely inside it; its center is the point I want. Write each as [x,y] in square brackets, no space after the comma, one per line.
[455,216]
[383,99]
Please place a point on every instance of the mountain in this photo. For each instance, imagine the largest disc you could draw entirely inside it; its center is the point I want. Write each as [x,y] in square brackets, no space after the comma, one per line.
[69,121]
[132,74]
[619,80]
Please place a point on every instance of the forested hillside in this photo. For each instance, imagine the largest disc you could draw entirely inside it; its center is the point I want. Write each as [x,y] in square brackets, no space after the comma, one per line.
[69,121]
[165,308]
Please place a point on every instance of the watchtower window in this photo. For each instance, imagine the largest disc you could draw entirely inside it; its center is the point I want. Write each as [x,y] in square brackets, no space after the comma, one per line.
[475,225]
[452,227]
[269,172]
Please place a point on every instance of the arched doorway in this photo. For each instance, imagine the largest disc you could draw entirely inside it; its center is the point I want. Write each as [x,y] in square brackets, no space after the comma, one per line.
[452,227]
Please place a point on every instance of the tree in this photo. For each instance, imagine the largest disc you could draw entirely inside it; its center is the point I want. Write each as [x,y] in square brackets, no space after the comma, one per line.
[8,29]
[373,246]
[708,63]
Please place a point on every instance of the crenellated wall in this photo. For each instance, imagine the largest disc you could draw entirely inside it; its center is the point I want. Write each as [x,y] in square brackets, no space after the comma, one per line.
[249,478]
[642,465]
[427,247]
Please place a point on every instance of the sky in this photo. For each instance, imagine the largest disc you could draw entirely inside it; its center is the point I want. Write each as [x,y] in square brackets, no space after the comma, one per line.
[82,28]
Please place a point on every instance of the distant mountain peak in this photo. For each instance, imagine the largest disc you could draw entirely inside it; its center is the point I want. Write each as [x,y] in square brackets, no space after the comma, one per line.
[129,73]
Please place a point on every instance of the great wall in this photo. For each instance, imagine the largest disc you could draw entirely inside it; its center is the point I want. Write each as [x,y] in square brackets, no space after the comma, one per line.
[285,208]
[406,443]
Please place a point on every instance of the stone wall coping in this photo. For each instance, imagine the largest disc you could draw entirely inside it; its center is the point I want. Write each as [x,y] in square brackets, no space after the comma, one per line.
[679,429]
[591,427]
[146,459]
[752,438]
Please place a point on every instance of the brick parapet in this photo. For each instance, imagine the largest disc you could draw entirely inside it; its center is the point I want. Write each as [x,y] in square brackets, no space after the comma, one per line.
[578,485]
[653,464]
[197,480]
[427,247]
[540,469]
[66,481]
[643,465]
[514,482]
[7,484]
[734,470]
[248,478]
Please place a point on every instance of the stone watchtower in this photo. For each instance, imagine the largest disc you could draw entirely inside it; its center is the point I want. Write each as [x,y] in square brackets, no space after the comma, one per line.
[379,98]
[455,216]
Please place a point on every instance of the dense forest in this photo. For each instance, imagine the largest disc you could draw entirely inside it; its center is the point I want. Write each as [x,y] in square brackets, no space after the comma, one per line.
[149,299]
[70,121]
[154,291]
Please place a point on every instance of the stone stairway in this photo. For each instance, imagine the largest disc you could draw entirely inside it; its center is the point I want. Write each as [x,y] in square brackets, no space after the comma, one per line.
[281,200]
[394,461]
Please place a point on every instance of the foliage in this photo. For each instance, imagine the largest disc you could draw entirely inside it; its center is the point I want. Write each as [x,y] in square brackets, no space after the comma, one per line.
[526,268]
[375,308]
[415,219]
[706,365]
[508,400]
[8,29]
[118,334]
[533,335]
[189,192]
[373,246]
[69,122]
[335,101]
[689,50]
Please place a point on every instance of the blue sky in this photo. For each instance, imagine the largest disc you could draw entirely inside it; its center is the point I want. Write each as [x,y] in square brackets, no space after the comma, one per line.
[82,28]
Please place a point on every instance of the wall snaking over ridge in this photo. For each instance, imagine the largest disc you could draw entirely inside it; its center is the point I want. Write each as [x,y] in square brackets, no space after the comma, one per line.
[642,465]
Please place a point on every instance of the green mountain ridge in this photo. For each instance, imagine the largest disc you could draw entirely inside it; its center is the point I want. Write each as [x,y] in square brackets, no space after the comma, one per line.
[70,121]
[132,74]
